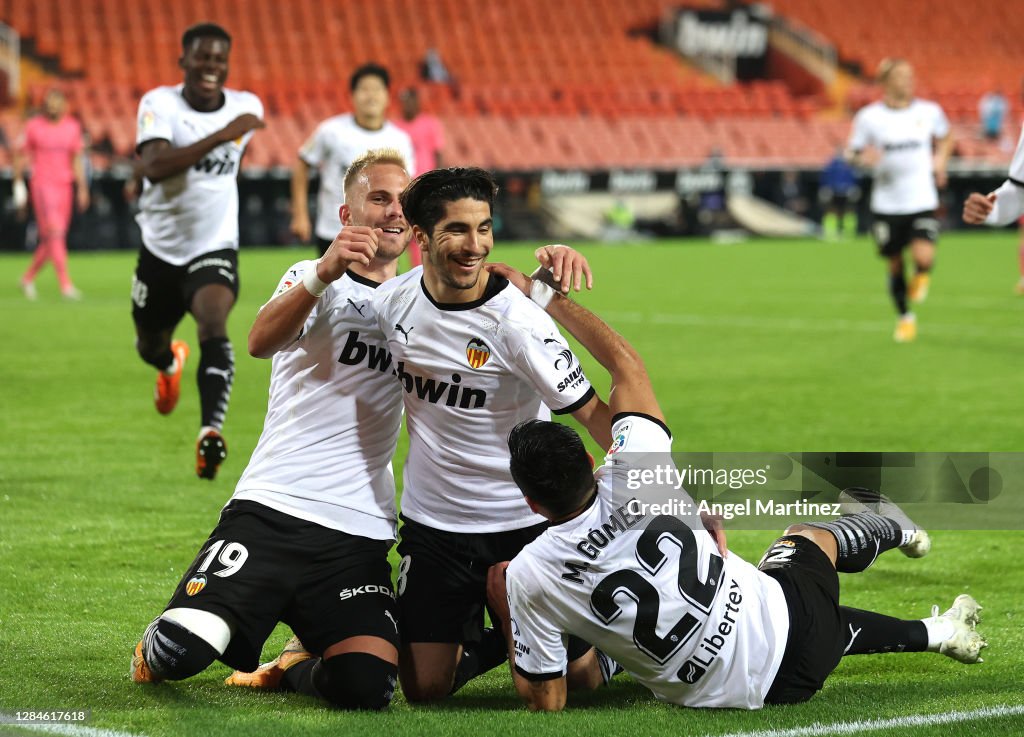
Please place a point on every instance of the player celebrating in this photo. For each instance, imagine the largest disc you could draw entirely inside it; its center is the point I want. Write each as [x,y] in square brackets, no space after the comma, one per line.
[907,143]
[335,145]
[190,139]
[1006,203]
[314,512]
[473,358]
[53,141]
[610,572]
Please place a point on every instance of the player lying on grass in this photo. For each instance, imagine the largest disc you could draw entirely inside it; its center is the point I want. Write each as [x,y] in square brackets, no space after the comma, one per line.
[696,627]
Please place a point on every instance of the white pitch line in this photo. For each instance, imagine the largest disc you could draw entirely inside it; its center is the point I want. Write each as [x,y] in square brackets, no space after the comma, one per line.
[69,730]
[872,725]
[803,325]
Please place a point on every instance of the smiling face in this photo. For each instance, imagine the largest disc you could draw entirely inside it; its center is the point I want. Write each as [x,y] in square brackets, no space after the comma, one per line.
[205,64]
[454,255]
[372,200]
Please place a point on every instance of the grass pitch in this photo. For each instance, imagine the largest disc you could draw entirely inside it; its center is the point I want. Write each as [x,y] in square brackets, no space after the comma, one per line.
[767,345]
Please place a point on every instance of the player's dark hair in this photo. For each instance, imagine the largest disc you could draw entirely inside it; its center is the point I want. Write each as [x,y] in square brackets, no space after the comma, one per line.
[424,200]
[369,70]
[203,30]
[550,465]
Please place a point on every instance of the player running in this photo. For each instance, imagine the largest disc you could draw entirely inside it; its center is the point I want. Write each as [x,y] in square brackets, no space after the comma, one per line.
[906,142]
[191,138]
[656,593]
[473,357]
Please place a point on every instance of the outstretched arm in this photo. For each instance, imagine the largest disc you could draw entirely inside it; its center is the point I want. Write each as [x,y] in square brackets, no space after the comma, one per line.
[631,387]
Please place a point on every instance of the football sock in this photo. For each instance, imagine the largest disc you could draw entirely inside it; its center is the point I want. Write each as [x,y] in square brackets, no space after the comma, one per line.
[299,678]
[480,657]
[214,376]
[898,290]
[862,537]
[869,632]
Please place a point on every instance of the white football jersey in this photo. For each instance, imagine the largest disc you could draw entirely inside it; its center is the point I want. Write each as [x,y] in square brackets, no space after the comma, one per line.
[469,373]
[1016,174]
[652,592]
[333,417]
[332,148]
[904,179]
[194,212]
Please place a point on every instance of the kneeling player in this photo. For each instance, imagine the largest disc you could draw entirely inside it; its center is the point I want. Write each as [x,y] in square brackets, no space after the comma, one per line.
[696,628]
[305,538]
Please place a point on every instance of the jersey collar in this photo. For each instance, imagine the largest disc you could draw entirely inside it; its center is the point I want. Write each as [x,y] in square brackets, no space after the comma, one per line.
[495,284]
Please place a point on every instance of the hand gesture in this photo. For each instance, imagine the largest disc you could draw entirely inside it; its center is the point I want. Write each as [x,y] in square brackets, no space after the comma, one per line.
[567,266]
[354,244]
[977,207]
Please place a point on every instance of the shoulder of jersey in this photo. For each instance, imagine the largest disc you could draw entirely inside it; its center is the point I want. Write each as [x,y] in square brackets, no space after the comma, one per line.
[243,97]
[401,284]
[167,91]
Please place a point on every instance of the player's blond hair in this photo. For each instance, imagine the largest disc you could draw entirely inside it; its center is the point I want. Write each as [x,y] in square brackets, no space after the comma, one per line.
[371,158]
[885,67]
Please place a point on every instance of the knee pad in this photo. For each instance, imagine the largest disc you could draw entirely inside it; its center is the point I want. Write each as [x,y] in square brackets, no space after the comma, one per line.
[356,681]
[173,652]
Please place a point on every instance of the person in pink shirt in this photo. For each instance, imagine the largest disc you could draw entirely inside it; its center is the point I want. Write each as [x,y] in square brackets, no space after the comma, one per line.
[427,136]
[53,142]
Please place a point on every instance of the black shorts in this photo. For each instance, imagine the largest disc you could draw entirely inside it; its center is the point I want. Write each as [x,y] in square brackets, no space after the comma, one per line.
[815,646]
[893,233]
[442,581]
[162,292]
[261,567]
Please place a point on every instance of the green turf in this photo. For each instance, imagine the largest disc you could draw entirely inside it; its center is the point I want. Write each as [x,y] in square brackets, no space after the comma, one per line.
[774,346]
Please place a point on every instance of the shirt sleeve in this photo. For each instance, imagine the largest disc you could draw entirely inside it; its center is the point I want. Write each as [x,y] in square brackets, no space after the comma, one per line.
[155,118]
[546,360]
[940,126]
[292,279]
[314,150]
[860,134]
[540,652]
[1016,174]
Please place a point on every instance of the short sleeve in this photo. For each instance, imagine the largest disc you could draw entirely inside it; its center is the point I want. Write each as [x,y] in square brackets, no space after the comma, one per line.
[546,360]
[1017,165]
[540,652]
[860,135]
[940,124]
[155,119]
[314,150]
[292,279]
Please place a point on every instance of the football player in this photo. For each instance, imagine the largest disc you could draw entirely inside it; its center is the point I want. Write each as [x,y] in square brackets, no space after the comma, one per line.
[696,625]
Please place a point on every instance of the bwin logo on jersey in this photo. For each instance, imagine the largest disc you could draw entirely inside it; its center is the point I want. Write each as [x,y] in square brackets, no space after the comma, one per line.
[477,353]
[214,165]
[691,672]
[451,394]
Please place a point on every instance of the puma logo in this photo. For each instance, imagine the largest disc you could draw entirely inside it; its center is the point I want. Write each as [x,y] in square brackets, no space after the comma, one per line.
[358,308]
[853,636]
[223,373]
[404,332]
